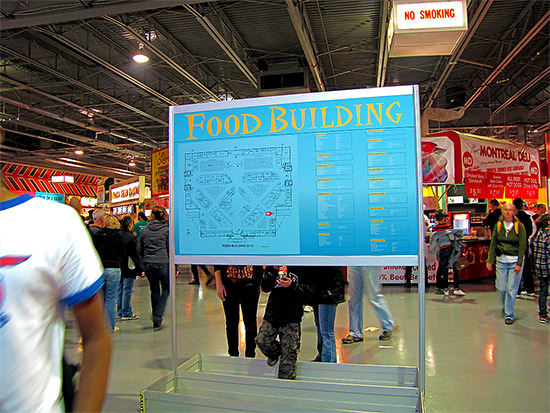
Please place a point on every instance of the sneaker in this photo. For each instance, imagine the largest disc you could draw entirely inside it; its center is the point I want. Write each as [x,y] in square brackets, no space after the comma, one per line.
[351,339]
[459,292]
[439,291]
[272,361]
[194,282]
[132,317]
[518,295]
[385,336]
[210,279]
[157,325]
[508,321]
[118,317]
[543,320]
[446,292]
[525,293]
[115,330]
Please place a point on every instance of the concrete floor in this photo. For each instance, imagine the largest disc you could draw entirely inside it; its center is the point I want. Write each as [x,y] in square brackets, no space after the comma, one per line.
[474,362]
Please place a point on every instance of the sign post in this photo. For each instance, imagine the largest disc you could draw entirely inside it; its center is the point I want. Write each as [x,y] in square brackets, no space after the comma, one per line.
[330,178]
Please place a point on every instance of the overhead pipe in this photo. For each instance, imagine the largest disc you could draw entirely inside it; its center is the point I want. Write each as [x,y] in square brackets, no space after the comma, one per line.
[305,41]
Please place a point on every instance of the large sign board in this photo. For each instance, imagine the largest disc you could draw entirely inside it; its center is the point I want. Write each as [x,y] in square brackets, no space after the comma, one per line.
[326,178]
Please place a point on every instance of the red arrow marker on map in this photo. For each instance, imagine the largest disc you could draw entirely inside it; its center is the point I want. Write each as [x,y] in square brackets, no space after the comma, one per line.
[269,213]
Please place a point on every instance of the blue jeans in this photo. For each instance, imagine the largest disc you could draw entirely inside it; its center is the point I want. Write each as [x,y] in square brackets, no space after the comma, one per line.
[158,276]
[110,290]
[365,280]
[325,316]
[507,284]
[125,290]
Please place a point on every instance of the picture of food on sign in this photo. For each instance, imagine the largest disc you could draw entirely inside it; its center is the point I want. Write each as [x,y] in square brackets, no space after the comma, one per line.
[483,253]
[433,163]
[469,254]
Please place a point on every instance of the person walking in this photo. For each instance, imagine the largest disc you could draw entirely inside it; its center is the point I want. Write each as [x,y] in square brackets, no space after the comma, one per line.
[130,269]
[541,254]
[447,243]
[365,280]
[507,253]
[195,272]
[110,247]
[528,289]
[154,254]
[142,223]
[238,286]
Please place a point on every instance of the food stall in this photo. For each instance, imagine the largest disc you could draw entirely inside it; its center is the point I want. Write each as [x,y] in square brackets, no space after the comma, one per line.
[465,172]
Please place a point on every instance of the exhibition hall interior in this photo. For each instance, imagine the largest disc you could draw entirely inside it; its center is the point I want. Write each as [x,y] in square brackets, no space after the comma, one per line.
[295,134]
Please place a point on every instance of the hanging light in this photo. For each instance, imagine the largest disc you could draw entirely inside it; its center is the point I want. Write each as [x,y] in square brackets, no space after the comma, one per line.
[78,152]
[140,55]
[131,163]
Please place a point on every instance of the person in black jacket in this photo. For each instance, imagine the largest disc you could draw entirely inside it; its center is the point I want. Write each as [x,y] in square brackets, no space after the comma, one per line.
[110,248]
[239,286]
[492,217]
[526,276]
[131,268]
[282,317]
[328,292]
[153,247]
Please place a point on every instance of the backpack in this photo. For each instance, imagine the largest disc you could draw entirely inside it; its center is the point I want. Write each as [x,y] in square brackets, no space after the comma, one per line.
[516,226]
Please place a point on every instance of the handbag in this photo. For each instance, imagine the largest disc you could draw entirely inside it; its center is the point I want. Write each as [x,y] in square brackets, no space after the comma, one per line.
[461,263]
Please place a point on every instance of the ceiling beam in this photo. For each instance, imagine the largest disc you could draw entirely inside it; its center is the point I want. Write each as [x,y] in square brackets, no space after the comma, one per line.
[80,108]
[455,57]
[75,137]
[69,79]
[382,44]
[54,17]
[224,45]
[107,65]
[73,122]
[542,76]
[541,24]
[306,40]
[150,46]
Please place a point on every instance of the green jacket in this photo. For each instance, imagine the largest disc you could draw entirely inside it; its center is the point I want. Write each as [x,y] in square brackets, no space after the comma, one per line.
[512,243]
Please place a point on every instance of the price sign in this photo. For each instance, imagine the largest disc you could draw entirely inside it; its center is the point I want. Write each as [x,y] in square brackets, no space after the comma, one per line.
[475,184]
[495,185]
[514,186]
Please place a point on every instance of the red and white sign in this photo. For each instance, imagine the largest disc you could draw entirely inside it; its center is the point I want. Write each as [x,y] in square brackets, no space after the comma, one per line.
[430,15]
[129,190]
[475,184]
[530,187]
[513,186]
[495,185]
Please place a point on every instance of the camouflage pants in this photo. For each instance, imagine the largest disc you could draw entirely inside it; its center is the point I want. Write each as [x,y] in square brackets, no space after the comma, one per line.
[286,348]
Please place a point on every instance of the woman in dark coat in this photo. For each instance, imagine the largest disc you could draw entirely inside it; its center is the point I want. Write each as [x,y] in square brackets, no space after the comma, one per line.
[128,274]
[328,292]
[239,286]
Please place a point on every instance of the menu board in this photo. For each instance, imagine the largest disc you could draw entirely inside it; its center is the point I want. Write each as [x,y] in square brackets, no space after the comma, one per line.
[308,179]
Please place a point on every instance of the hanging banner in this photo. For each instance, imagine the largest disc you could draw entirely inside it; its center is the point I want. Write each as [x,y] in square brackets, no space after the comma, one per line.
[475,185]
[159,172]
[495,185]
[478,153]
[298,179]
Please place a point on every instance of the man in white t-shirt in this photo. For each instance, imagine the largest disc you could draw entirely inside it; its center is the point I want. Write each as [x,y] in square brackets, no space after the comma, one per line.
[43,270]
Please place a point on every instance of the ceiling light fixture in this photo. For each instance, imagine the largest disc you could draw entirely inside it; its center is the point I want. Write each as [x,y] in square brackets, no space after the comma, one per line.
[140,55]
[131,163]
[78,152]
